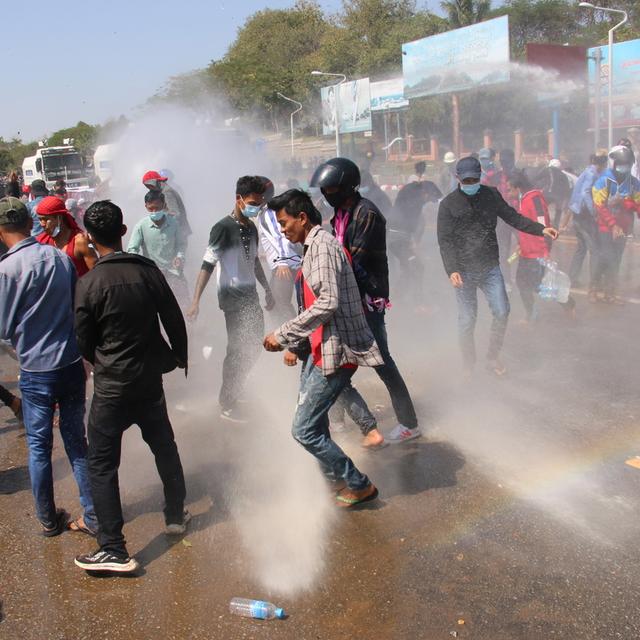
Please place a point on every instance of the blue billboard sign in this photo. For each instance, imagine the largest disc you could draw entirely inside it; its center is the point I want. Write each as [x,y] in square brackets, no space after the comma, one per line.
[457,60]
[626,82]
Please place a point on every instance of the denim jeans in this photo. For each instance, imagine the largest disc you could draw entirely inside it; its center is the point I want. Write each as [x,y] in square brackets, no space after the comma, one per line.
[389,374]
[109,418]
[351,402]
[586,232]
[609,261]
[491,284]
[311,423]
[40,393]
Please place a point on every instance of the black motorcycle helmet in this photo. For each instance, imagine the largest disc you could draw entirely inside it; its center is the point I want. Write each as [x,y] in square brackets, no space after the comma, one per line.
[337,172]
[621,156]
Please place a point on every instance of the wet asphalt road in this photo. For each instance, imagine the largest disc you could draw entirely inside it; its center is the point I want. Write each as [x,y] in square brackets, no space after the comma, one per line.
[516,516]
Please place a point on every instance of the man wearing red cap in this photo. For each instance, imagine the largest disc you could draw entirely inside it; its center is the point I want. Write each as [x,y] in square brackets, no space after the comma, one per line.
[155,181]
[62,231]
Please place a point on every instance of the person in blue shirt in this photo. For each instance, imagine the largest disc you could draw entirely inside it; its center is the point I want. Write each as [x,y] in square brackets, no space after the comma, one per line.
[37,285]
[582,212]
[38,192]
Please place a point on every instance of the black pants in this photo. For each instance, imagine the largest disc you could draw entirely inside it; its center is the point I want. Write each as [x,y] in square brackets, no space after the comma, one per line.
[6,397]
[108,420]
[245,332]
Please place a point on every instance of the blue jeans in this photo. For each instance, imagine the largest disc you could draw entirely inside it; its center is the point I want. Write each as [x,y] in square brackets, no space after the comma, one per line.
[311,423]
[491,284]
[40,392]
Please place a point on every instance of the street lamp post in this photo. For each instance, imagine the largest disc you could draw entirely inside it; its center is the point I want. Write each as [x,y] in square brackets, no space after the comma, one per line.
[588,5]
[335,103]
[293,113]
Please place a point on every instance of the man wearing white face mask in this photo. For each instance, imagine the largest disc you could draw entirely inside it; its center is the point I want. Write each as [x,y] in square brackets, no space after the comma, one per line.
[467,221]
[233,248]
[160,238]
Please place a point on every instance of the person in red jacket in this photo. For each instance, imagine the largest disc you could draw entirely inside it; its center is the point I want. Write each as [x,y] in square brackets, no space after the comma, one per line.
[532,248]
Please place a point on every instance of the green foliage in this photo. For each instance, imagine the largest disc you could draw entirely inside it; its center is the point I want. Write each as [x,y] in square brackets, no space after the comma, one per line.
[84,136]
[462,13]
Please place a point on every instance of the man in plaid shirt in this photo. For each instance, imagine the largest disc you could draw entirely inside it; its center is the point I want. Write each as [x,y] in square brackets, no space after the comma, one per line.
[331,337]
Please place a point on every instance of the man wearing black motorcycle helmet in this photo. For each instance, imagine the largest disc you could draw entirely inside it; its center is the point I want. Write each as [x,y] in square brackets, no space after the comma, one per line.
[361,228]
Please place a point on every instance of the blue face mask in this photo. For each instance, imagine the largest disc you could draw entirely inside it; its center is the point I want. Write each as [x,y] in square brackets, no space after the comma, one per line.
[156,216]
[470,189]
[623,168]
[364,190]
[251,210]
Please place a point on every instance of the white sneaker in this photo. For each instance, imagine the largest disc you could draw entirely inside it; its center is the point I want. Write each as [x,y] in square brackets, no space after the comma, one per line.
[400,433]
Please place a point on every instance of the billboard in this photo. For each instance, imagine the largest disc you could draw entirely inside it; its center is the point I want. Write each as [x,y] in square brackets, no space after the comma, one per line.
[626,83]
[388,95]
[569,61]
[462,59]
[354,107]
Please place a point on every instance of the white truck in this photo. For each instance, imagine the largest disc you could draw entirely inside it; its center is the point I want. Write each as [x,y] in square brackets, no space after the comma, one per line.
[52,163]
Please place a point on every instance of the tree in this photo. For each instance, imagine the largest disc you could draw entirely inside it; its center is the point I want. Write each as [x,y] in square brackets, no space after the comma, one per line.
[84,136]
[462,13]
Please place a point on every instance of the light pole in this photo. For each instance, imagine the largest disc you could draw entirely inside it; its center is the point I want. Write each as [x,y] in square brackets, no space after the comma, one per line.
[293,113]
[588,5]
[335,103]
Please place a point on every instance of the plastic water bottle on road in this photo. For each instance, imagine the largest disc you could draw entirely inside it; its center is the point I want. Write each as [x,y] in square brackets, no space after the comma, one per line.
[255,609]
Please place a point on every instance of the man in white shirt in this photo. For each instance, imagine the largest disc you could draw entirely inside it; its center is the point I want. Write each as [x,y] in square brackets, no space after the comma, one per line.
[283,258]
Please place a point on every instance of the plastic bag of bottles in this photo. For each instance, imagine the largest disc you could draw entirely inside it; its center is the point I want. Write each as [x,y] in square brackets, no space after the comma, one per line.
[555,284]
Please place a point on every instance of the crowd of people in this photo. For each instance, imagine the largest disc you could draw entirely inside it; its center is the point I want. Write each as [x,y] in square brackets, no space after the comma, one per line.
[73,302]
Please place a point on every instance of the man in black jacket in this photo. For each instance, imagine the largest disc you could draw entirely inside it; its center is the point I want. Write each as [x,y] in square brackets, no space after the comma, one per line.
[361,229]
[117,309]
[467,221]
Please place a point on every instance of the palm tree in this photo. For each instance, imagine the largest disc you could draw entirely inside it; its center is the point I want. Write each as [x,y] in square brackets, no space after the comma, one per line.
[462,13]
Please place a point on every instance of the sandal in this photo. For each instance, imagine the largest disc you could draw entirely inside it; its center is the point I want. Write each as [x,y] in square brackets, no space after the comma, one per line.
[348,498]
[80,526]
[62,517]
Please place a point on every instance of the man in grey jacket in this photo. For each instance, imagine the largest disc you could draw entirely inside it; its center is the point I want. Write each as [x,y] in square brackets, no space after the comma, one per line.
[330,335]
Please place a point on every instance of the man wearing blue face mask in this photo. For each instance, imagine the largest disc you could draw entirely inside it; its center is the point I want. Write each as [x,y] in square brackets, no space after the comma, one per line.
[160,238]
[467,220]
[233,248]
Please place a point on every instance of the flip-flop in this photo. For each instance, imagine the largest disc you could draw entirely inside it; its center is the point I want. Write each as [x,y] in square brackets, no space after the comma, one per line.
[349,503]
[79,525]
[62,517]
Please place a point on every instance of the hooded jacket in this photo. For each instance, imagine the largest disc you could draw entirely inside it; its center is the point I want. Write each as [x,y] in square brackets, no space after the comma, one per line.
[118,309]
[467,229]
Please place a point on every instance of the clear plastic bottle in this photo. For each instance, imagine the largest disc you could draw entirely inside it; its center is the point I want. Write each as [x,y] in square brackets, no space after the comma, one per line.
[248,608]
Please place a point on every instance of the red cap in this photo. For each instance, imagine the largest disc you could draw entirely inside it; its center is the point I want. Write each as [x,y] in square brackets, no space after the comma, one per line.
[26,188]
[51,206]
[152,175]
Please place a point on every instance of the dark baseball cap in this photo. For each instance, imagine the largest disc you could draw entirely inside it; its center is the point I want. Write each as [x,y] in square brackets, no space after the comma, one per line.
[468,168]
[13,211]
[39,186]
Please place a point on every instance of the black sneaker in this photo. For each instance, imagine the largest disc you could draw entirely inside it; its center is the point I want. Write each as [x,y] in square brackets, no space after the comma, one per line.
[234,415]
[105,561]
[178,528]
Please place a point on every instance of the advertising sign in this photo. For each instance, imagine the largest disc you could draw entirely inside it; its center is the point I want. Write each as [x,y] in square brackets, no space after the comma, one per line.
[388,95]
[354,107]
[462,59]
[626,83]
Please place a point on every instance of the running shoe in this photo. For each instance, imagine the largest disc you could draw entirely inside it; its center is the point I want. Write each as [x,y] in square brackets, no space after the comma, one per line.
[105,561]
[400,433]
[178,528]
